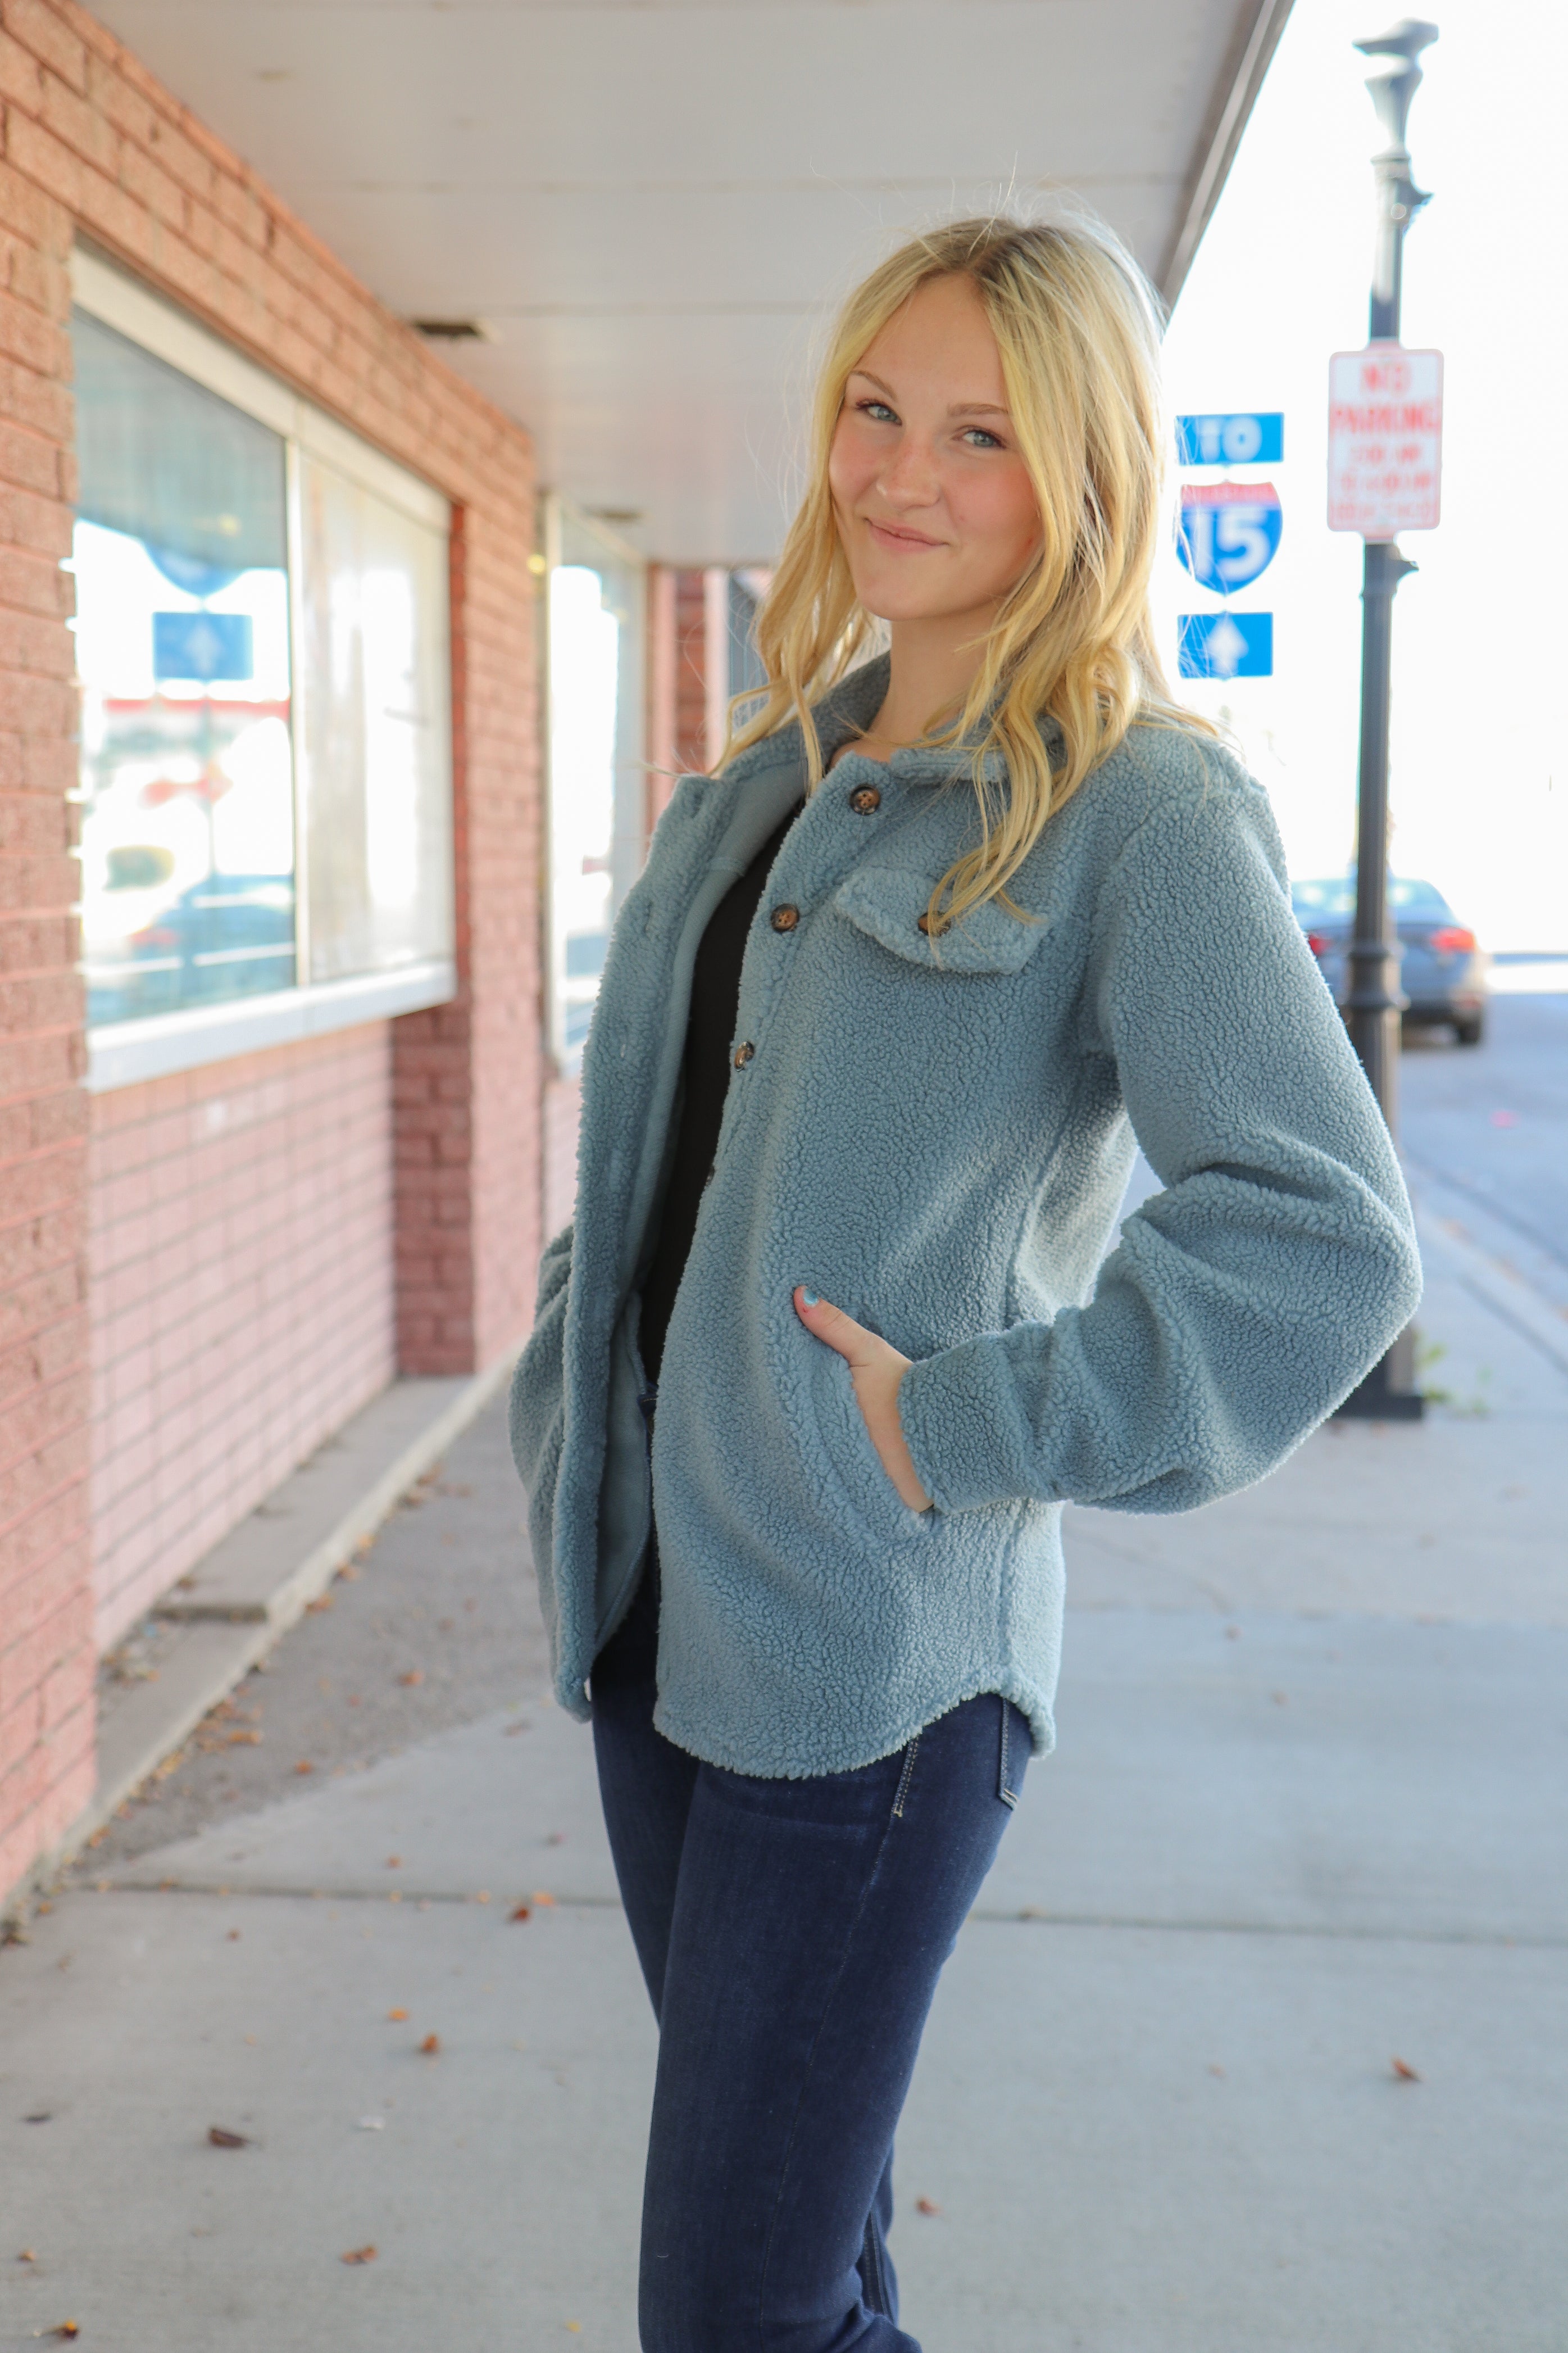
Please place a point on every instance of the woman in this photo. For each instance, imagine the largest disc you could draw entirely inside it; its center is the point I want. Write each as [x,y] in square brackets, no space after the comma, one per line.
[898,988]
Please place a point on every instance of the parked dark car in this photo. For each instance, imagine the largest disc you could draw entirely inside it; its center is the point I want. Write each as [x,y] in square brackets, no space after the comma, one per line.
[1443,971]
[227,936]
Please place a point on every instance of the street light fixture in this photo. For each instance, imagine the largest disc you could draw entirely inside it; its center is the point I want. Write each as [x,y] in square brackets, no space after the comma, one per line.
[1374,1003]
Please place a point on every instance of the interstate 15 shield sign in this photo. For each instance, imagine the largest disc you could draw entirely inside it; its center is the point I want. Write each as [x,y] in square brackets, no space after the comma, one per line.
[1229,532]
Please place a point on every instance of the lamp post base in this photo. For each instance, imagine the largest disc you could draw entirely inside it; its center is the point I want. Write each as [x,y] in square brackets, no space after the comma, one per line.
[1389,1392]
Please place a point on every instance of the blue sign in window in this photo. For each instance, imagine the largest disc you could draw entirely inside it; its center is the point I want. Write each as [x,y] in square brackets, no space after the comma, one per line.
[202,646]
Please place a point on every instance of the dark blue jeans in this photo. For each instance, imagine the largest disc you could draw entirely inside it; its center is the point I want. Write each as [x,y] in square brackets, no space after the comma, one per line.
[791,1934]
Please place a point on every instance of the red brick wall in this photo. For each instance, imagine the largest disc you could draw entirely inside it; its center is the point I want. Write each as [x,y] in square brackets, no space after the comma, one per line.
[91,144]
[691,749]
[241,1293]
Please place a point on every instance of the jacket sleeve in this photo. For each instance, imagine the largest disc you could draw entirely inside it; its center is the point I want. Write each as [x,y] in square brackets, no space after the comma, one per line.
[538,1412]
[1244,1301]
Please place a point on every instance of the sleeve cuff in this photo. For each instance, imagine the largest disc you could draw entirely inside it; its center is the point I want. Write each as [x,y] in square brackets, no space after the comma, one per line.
[960,1418]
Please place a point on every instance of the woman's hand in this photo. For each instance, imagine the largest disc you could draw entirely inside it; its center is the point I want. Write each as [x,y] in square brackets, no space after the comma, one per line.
[876,1370]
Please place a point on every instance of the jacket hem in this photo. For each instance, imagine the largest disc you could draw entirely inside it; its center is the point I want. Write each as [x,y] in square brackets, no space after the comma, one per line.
[740,1755]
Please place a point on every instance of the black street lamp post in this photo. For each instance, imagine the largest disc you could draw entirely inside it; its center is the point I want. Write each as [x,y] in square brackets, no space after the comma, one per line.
[1374,1003]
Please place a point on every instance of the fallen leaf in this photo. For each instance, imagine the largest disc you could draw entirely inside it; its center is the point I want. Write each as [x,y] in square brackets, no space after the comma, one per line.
[348,1572]
[322,1602]
[395,1862]
[541,1895]
[397,2016]
[575,2327]
[483,1896]
[523,1913]
[221,2138]
[927,2206]
[61,2328]
[27,2256]
[304,1766]
[358,2255]
[44,1907]
[1406,2074]
[431,2044]
[414,1675]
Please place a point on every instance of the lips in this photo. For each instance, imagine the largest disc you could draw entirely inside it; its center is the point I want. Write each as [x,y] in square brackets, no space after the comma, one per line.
[894,535]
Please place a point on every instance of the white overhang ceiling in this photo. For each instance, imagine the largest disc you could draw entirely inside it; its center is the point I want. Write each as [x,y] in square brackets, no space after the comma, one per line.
[652,205]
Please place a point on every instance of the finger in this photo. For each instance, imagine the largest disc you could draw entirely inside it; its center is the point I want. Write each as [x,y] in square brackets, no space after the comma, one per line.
[831,1325]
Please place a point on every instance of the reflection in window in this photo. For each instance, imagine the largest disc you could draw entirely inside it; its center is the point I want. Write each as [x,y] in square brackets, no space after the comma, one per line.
[181,630]
[376,739]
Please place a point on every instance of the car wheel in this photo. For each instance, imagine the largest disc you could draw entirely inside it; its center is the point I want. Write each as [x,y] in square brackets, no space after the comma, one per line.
[1471,1030]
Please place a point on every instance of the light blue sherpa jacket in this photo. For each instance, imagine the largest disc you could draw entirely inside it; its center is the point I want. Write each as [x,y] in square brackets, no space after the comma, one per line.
[936,1138]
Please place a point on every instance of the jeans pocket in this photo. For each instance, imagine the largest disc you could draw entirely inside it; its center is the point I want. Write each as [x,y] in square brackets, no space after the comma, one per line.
[1015,1746]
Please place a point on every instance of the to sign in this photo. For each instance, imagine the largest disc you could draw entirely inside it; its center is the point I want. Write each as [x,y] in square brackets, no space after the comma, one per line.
[1228,533]
[1237,437]
[1385,440]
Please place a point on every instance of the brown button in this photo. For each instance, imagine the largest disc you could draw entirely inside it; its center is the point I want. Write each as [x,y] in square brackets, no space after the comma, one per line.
[784,919]
[743,1054]
[865,800]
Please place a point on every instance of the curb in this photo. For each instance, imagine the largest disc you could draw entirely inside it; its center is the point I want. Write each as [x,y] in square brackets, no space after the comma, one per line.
[222,1635]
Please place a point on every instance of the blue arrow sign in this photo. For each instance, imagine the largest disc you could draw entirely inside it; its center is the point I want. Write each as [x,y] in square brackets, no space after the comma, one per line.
[203,645]
[1246,436]
[1228,533]
[1226,645]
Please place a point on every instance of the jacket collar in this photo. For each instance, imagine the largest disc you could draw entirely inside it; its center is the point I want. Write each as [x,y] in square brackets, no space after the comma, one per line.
[847,709]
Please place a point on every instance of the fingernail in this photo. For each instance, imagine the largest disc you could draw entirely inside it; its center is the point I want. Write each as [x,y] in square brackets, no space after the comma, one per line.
[810,1298]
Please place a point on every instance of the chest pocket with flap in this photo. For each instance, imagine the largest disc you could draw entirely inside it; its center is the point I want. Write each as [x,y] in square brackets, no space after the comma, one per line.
[887,903]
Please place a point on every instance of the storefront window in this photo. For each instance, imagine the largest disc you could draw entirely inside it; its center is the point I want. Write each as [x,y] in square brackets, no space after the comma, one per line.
[180,554]
[597,785]
[262,645]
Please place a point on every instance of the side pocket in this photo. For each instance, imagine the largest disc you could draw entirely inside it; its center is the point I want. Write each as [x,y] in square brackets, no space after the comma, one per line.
[856,1462]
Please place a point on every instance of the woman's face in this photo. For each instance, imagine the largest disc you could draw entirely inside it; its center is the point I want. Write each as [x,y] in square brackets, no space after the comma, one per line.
[936,510]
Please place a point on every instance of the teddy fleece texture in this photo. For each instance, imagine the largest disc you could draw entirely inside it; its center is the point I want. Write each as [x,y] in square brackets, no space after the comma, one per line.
[936,1135]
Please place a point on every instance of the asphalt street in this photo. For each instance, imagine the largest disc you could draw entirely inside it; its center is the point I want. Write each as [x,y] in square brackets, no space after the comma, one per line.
[1484,1131]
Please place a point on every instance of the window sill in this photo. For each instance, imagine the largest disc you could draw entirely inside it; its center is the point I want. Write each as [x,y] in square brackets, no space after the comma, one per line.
[126,1053]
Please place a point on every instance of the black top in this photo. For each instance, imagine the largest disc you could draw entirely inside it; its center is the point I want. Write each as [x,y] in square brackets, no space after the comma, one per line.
[705,1074]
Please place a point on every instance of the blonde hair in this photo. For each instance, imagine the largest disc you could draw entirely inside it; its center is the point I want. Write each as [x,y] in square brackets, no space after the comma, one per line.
[1078,335]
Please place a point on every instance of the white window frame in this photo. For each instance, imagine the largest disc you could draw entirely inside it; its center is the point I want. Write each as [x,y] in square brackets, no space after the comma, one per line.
[628,838]
[125,1053]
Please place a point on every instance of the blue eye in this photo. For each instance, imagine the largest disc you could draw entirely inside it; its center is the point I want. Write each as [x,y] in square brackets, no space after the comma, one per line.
[882,412]
[977,437]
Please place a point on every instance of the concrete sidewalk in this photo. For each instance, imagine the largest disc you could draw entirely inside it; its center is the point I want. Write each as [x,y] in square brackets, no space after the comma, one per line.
[1308,1818]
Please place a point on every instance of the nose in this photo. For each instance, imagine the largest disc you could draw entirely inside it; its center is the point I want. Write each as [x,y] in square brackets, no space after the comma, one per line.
[909,478]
